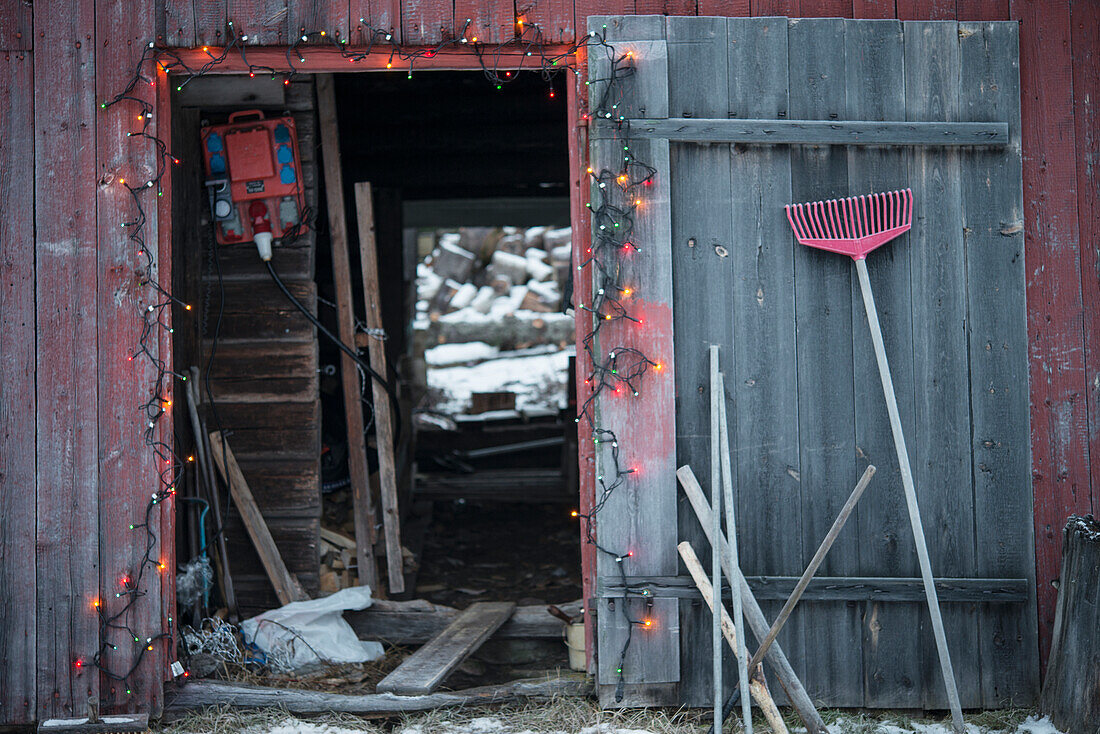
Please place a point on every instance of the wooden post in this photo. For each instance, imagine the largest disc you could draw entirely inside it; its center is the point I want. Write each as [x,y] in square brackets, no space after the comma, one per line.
[383,414]
[716,532]
[365,534]
[757,690]
[286,584]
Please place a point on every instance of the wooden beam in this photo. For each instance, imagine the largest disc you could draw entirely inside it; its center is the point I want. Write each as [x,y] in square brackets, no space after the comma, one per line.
[838,588]
[416,622]
[427,668]
[811,132]
[286,585]
[201,693]
[365,533]
[383,407]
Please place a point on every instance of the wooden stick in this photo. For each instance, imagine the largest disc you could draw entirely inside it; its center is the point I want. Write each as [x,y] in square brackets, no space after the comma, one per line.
[815,563]
[383,413]
[716,610]
[911,499]
[732,560]
[363,504]
[759,692]
[775,656]
[286,584]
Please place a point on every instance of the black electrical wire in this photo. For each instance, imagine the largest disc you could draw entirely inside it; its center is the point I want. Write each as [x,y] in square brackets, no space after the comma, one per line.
[343,347]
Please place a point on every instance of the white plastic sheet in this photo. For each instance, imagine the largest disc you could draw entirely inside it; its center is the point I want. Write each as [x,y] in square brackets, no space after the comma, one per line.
[305,634]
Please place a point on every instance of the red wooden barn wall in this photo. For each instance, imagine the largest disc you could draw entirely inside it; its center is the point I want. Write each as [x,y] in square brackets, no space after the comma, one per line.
[73,470]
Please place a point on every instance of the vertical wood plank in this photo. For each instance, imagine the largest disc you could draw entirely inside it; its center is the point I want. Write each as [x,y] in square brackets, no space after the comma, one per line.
[552,20]
[724,8]
[871,9]
[764,389]
[194,22]
[788,8]
[265,22]
[426,22]
[583,9]
[698,73]
[331,16]
[67,442]
[1086,112]
[891,649]
[981,9]
[993,213]
[128,472]
[939,445]
[1059,421]
[17,396]
[179,22]
[926,9]
[827,8]
[639,517]
[377,14]
[491,21]
[826,399]
[16,26]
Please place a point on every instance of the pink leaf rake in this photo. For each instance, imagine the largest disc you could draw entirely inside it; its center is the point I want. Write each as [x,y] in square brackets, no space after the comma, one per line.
[854,227]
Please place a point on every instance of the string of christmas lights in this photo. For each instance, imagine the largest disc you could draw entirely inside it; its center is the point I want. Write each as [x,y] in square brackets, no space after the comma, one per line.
[619,193]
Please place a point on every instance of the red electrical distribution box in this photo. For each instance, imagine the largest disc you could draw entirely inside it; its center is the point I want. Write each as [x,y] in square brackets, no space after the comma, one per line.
[254,178]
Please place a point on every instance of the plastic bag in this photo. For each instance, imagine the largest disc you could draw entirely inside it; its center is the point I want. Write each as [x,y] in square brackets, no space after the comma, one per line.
[305,634]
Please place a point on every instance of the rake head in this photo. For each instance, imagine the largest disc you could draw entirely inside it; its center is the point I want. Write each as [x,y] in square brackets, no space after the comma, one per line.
[854,226]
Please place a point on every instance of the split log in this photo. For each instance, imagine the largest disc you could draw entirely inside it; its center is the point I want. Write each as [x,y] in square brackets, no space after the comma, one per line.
[1071,693]
[198,694]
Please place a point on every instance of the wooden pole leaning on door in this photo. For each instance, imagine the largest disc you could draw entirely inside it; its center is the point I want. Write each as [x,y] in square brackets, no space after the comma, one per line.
[715,603]
[383,412]
[365,533]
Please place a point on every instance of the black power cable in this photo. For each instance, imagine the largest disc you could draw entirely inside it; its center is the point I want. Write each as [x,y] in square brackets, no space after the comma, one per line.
[343,347]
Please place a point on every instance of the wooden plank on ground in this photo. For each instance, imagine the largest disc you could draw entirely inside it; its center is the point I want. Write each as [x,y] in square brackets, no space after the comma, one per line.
[939,445]
[640,513]
[67,442]
[427,668]
[698,87]
[993,229]
[383,405]
[18,631]
[286,586]
[891,650]
[826,391]
[128,470]
[365,533]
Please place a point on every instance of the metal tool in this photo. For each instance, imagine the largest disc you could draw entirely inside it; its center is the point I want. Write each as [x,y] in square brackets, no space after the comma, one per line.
[855,226]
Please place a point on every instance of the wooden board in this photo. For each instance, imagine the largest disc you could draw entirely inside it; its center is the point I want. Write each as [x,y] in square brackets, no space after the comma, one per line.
[127,466]
[491,22]
[383,406]
[826,388]
[427,668]
[286,586]
[18,641]
[15,26]
[1001,449]
[66,382]
[313,16]
[417,622]
[265,22]
[425,22]
[365,517]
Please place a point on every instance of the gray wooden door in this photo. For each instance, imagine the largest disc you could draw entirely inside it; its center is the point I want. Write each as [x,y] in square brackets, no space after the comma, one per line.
[715,104]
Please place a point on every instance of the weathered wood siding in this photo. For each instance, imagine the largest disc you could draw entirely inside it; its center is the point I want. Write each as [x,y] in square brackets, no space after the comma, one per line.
[804,393]
[50,433]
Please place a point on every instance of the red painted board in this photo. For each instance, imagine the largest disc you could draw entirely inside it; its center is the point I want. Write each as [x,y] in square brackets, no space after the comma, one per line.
[17,441]
[926,9]
[321,59]
[375,14]
[827,9]
[189,23]
[872,9]
[1059,423]
[127,466]
[582,9]
[981,9]
[1086,97]
[763,8]
[426,22]
[67,445]
[490,21]
[665,7]
[15,26]
[265,22]
[552,20]
[577,109]
[724,8]
[330,16]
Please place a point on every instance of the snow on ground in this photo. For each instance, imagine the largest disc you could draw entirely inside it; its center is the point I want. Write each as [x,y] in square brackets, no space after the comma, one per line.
[497,725]
[537,379]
